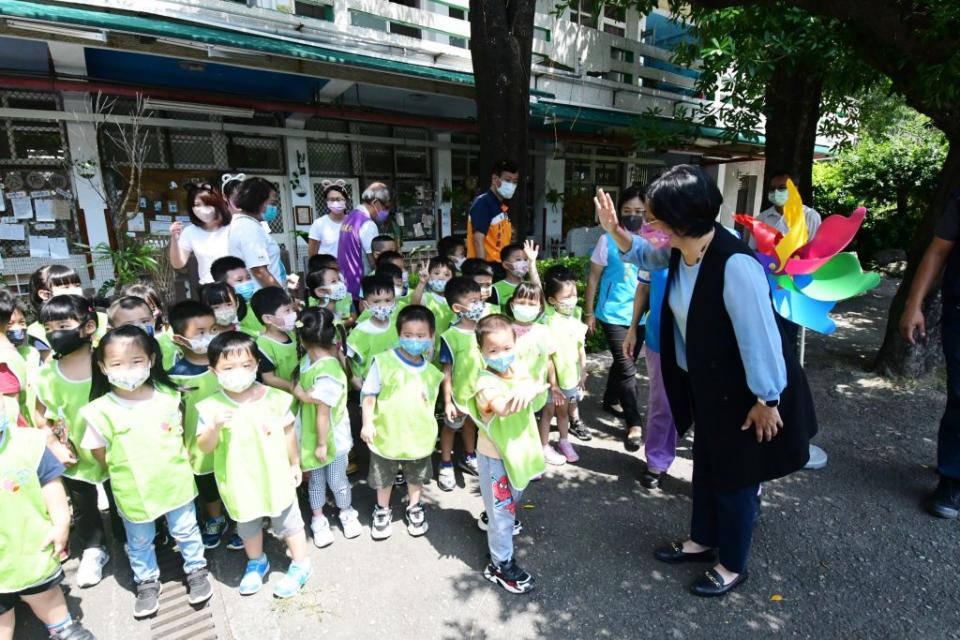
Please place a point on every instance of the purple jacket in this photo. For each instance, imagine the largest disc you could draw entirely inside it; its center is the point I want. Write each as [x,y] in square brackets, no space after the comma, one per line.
[350,251]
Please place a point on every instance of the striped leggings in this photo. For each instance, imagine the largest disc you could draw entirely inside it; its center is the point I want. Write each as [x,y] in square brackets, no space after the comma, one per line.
[334,475]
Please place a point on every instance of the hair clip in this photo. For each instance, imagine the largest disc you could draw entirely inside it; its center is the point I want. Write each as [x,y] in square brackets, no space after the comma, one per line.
[298,324]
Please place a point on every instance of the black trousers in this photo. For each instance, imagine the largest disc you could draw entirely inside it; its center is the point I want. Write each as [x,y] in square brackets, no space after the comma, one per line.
[948,438]
[724,520]
[207,488]
[622,378]
[87,526]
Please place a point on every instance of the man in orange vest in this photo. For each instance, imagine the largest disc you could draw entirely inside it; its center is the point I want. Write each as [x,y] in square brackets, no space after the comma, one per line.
[488,223]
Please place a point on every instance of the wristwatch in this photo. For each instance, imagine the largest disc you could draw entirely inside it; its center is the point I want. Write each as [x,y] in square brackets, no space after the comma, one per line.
[769,403]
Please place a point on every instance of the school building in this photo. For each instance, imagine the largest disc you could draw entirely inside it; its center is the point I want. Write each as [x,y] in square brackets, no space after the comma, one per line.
[310,90]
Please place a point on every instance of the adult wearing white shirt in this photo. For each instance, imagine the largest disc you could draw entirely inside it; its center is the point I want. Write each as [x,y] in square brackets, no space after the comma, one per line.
[256,198]
[778,195]
[206,237]
[324,236]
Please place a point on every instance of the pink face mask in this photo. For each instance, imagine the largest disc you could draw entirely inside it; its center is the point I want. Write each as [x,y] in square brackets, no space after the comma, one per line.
[336,205]
[655,237]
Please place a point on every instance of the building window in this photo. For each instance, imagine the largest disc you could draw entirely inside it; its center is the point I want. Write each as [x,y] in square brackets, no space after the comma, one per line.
[313,10]
[618,76]
[615,20]
[402,29]
[582,14]
[254,153]
[621,55]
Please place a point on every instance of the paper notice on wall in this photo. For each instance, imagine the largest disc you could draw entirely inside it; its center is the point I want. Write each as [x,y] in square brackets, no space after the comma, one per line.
[163,218]
[40,194]
[44,226]
[39,247]
[22,208]
[135,222]
[12,232]
[61,209]
[44,210]
[417,229]
[58,248]
[159,227]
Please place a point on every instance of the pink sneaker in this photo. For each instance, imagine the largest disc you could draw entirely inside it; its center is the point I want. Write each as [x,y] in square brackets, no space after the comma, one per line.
[550,456]
[568,451]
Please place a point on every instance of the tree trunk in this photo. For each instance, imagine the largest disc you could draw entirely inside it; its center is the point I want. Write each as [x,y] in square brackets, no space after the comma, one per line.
[792,113]
[897,357]
[501,41]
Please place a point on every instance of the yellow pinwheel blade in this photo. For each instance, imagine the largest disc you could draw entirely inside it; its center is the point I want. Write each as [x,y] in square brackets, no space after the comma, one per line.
[796,235]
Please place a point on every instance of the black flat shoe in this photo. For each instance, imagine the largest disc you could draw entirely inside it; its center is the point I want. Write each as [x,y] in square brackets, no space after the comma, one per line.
[632,443]
[580,431]
[650,480]
[710,584]
[673,553]
[613,409]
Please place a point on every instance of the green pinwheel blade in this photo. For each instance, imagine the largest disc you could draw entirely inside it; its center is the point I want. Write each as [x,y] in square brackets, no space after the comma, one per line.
[785,282]
[839,279]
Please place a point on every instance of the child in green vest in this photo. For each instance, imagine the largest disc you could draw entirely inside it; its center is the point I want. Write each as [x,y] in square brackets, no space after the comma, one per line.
[453,249]
[399,394]
[275,310]
[256,460]
[519,261]
[47,282]
[63,388]
[132,310]
[325,288]
[134,428]
[194,327]
[35,526]
[481,272]
[233,271]
[226,304]
[325,439]
[401,294]
[569,358]
[429,292]
[462,362]
[508,447]
[375,335]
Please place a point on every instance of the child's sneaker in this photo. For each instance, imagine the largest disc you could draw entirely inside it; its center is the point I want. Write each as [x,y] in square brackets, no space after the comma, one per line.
[416,519]
[322,536]
[446,479]
[580,431]
[90,571]
[551,456]
[469,464]
[399,481]
[566,448]
[350,522]
[235,543]
[291,583]
[213,530]
[253,575]
[199,588]
[148,599]
[73,631]
[509,576]
[483,523]
[382,526]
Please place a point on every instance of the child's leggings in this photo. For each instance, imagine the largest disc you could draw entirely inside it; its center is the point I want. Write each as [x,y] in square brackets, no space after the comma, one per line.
[334,475]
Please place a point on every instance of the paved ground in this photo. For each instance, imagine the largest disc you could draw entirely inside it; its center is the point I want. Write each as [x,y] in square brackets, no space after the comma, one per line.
[842,552]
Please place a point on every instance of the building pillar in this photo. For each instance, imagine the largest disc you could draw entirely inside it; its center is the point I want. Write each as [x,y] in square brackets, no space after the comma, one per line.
[301,189]
[443,180]
[548,183]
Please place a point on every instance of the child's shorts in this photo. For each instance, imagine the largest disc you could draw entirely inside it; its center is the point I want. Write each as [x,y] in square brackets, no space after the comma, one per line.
[384,471]
[288,523]
[572,395]
[457,424]
[9,600]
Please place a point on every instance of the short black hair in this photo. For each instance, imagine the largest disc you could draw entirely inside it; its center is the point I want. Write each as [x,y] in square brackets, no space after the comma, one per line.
[686,199]
[231,342]
[458,288]
[511,248]
[555,278]
[184,311]
[317,327]
[252,193]
[126,303]
[782,171]
[321,260]
[448,245]
[389,270]
[372,285]
[416,313]
[378,241]
[493,323]
[476,267]
[441,261]
[631,192]
[505,166]
[223,265]
[389,257]
[267,300]
[68,307]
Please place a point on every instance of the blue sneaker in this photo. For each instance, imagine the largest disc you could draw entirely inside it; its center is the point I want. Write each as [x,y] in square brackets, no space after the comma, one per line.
[253,575]
[291,583]
[235,543]
[213,530]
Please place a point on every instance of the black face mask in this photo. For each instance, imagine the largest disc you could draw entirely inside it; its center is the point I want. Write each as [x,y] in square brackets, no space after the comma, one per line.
[632,223]
[66,341]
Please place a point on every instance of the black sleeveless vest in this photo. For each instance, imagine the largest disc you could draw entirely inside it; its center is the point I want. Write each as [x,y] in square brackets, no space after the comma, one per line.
[713,393]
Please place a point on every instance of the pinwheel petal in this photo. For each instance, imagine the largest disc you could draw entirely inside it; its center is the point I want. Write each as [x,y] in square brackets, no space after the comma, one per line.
[839,279]
[804,311]
[765,236]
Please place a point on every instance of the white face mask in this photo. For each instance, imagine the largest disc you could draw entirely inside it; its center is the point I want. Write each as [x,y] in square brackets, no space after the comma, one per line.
[225,317]
[237,380]
[521,267]
[286,322]
[337,290]
[507,189]
[336,206]
[567,305]
[199,345]
[128,379]
[779,197]
[206,213]
[526,312]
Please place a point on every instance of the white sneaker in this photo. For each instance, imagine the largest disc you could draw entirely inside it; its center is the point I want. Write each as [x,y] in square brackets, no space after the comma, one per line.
[322,536]
[552,456]
[92,561]
[446,480]
[350,521]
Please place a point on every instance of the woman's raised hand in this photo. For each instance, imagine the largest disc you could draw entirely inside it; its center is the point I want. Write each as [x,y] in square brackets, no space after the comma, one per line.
[606,211]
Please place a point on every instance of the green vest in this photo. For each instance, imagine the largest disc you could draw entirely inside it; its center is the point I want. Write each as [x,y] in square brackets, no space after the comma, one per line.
[367,345]
[196,388]
[150,472]
[403,417]
[504,291]
[467,364]
[250,325]
[250,463]
[24,521]
[443,315]
[283,356]
[515,436]
[19,368]
[309,373]
[169,352]
[491,309]
[568,334]
[63,397]
[533,352]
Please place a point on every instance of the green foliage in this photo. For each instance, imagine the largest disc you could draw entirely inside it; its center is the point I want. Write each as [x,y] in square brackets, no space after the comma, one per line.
[580,266]
[130,263]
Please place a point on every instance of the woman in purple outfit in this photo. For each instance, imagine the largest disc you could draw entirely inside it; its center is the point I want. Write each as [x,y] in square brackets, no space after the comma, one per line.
[357,233]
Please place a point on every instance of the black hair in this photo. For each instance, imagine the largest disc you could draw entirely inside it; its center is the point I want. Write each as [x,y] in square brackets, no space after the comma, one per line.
[230,342]
[448,245]
[267,300]
[314,279]
[416,313]
[100,384]
[782,171]
[387,257]
[458,288]
[252,193]
[148,292]
[230,186]
[631,192]
[476,267]
[380,240]
[317,327]
[126,303]
[221,266]
[492,323]
[389,270]
[510,248]
[525,291]
[321,260]
[184,311]
[505,166]
[376,284]
[209,196]
[555,279]
[686,199]
[49,276]
[216,293]
[441,261]
[68,307]
[7,305]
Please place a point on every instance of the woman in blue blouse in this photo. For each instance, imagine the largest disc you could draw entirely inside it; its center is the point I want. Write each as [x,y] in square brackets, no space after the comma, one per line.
[724,367]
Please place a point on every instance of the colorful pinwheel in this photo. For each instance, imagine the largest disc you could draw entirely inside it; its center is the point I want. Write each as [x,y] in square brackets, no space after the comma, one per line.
[808,277]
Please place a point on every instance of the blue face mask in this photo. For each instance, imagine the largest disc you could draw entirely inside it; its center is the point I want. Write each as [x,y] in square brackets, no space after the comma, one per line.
[500,363]
[415,346]
[270,213]
[17,336]
[149,329]
[246,289]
